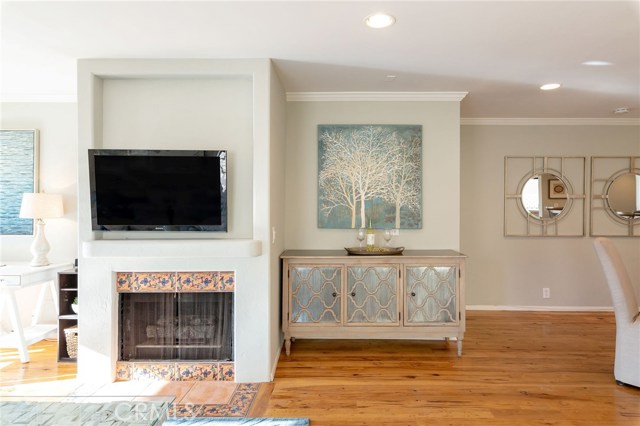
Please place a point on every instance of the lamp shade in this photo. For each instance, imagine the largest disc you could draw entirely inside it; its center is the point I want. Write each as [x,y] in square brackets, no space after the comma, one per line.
[41,205]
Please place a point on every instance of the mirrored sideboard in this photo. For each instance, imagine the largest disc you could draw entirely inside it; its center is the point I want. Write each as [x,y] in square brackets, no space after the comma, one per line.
[328,294]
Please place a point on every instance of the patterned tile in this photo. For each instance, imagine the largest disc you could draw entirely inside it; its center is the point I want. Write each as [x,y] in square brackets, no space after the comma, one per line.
[226,371]
[175,281]
[196,281]
[196,372]
[124,282]
[206,281]
[227,280]
[186,410]
[153,371]
[239,405]
[123,371]
[154,281]
[178,371]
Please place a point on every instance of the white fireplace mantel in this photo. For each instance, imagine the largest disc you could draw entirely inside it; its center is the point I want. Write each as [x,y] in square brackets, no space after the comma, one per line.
[195,248]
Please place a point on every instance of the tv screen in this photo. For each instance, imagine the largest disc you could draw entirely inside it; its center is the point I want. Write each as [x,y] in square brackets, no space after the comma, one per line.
[166,190]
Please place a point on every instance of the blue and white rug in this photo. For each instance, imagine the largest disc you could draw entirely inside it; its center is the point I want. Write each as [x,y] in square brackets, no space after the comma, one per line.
[233,421]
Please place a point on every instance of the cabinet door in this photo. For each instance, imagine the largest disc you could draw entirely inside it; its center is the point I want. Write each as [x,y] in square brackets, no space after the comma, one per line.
[372,295]
[314,294]
[431,295]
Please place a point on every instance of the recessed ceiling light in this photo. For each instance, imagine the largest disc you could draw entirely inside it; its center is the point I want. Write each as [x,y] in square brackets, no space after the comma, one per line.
[379,20]
[550,86]
[597,63]
[621,110]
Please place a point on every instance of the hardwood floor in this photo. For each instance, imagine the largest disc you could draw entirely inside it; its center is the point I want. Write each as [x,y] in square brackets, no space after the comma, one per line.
[517,368]
[42,367]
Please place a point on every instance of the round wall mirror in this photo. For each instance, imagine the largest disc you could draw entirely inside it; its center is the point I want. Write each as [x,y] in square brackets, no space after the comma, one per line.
[623,196]
[544,196]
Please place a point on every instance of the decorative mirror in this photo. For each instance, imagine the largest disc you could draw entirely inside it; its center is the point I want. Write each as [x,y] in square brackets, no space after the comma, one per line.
[615,196]
[544,196]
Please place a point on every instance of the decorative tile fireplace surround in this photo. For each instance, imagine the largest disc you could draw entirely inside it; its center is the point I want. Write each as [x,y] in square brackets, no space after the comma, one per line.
[232,266]
[172,356]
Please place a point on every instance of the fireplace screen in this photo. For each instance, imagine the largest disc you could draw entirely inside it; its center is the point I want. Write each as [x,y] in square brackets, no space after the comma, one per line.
[176,326]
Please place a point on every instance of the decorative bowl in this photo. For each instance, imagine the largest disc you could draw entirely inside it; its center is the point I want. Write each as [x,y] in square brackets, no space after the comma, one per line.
[376,251]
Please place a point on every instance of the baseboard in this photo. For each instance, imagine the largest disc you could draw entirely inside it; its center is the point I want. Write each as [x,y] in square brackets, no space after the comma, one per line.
[540,308]
[275,364]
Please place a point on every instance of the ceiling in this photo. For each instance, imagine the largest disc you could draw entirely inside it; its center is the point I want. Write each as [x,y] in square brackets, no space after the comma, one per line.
[499,52]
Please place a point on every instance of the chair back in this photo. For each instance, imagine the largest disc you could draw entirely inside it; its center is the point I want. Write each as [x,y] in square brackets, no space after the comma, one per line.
[623,295]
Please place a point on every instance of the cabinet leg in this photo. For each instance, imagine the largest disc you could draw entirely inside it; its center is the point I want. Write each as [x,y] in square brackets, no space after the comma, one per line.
[287,346]
[459,346]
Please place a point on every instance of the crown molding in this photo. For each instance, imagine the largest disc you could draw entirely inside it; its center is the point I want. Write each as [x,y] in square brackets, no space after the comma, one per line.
[550,121]
[375,96]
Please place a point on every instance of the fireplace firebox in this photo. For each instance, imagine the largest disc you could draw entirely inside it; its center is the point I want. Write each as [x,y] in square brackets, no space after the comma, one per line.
[176,326]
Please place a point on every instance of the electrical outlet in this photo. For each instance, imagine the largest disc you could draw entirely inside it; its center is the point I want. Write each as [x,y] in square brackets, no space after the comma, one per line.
[546,293]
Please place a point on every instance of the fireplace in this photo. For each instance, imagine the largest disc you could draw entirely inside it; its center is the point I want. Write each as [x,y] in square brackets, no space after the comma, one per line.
[176,326]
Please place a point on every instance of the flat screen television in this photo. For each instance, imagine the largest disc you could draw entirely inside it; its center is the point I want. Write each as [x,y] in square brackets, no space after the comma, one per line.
[158,190]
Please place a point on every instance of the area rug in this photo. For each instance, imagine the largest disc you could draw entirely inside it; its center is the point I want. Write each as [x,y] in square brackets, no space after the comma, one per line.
[230,421]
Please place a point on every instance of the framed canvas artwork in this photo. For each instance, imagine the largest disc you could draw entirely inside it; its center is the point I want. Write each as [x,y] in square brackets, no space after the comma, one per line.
[18,174]
[369,175]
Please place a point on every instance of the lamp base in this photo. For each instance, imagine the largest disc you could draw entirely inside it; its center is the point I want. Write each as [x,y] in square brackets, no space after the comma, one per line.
[40,261]
[40,246]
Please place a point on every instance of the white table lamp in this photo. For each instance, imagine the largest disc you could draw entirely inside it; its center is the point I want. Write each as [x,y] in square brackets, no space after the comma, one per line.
[39,206]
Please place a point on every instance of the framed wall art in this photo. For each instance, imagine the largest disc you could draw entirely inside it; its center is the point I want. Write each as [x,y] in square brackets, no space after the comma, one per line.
[369,175]
[557,189]
[18,174]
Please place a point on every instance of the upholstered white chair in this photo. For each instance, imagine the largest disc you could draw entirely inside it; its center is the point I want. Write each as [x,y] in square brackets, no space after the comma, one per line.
[625,305]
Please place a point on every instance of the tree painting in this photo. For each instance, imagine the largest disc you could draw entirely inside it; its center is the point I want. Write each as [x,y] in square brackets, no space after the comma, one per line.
[370,173]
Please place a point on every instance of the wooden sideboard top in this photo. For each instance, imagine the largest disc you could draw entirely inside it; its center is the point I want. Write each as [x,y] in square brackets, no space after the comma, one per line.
[343,253]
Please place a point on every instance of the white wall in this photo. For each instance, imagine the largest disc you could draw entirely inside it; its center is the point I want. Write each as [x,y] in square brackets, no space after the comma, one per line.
[57,123]
[179,113]
[441,170]
[277,130]
[511,271]
[213,104]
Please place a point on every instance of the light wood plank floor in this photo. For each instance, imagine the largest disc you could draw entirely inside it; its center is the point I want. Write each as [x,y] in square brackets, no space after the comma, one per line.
[518,368]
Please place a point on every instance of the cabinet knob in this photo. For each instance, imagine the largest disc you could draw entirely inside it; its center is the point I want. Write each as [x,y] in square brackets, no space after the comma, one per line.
[353,294]
[334,294]
[413,294]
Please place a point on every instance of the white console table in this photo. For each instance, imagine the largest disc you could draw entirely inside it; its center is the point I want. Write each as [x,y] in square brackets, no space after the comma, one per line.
[15,276]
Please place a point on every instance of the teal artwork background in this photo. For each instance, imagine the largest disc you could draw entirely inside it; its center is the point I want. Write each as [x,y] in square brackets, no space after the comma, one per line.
[369,173]
[18,156]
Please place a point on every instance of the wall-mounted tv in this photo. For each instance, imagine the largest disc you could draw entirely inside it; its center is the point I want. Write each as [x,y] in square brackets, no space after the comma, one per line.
[158,190]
